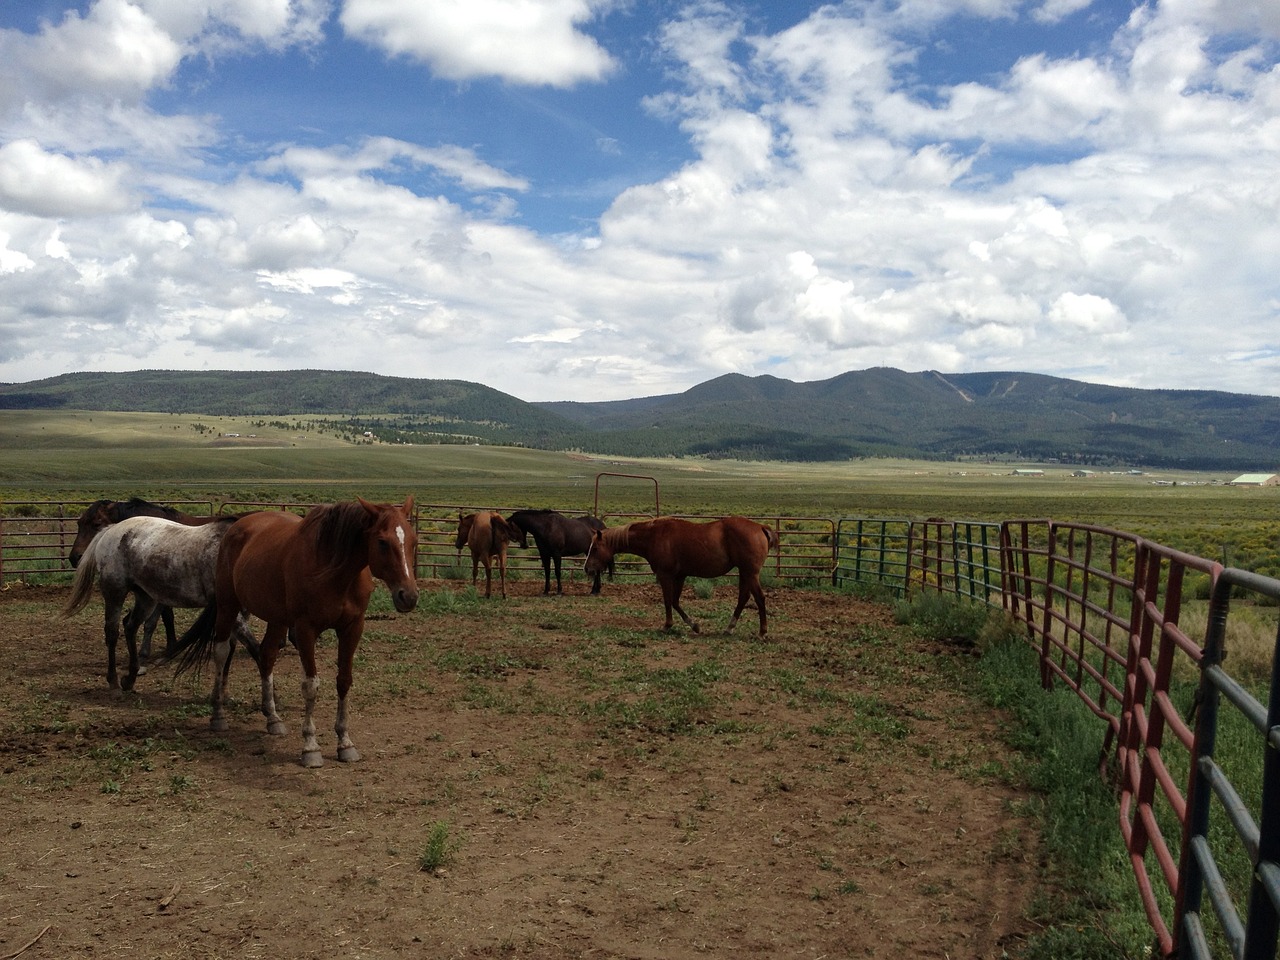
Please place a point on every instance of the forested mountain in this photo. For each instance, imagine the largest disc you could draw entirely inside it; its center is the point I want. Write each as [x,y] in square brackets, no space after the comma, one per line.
[875,412]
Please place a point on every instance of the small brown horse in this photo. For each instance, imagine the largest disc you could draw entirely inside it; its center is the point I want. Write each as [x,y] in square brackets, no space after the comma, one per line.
[677,549]
[487,534]
[310,574]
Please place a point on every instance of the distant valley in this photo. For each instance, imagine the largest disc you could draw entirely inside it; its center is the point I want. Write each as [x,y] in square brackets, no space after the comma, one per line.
[866,413]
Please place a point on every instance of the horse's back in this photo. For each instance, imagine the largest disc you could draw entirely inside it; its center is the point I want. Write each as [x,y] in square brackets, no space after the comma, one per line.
[172,562]
[707,549]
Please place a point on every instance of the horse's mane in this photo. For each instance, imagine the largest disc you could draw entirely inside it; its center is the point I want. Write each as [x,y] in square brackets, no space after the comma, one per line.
[135,506]
[337,529]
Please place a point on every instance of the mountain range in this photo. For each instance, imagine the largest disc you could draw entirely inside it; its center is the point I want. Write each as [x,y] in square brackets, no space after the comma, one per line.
[876,412]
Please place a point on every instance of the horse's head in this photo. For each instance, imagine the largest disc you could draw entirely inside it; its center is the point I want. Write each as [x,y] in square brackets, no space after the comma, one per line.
[599,555]
[96,516]
[392,539]
[464,530]
[516,529]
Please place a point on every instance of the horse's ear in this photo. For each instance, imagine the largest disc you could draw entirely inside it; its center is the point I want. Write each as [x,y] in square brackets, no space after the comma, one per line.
[408,505]
[368,507]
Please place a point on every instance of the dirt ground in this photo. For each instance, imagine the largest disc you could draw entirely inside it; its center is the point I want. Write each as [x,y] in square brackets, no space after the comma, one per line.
[597,788]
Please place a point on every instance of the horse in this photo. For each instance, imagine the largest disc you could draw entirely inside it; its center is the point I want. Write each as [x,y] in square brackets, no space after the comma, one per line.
[556,536]
[101,514]
[159,561]
[487,534]
[677,549]
[306,574]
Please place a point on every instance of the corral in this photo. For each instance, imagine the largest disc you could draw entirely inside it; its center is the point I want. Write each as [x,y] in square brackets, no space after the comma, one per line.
[574,782]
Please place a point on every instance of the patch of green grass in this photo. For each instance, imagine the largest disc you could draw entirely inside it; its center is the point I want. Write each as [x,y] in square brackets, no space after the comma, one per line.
[1090,908]
[439,848]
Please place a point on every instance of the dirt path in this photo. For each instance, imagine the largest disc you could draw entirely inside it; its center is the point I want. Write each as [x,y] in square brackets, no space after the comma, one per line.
[602,789]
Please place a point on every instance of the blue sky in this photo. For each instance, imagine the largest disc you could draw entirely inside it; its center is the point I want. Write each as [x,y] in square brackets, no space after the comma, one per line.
[599,199]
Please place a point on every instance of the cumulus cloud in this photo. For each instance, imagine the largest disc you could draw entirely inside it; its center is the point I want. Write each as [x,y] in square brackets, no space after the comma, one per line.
[832,204]
[527,43]
[46,184]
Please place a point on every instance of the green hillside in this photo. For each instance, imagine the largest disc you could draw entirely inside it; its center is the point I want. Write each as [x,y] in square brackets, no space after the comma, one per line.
[876,412]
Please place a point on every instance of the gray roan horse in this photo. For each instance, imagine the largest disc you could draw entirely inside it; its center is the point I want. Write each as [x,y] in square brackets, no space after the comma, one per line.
[556,536]
[101,514]
[158,561]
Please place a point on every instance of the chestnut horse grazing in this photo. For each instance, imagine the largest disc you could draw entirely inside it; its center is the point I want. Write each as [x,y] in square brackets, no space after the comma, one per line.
[487,534]
[310,574]
[677,549]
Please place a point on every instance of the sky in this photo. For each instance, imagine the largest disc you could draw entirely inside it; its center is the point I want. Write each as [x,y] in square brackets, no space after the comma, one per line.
[606,199]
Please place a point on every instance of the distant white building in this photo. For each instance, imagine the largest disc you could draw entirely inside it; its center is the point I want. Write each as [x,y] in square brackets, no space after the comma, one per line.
[1256,480]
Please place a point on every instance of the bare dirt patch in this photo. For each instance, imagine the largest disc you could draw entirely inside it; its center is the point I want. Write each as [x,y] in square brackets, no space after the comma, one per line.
[603,789]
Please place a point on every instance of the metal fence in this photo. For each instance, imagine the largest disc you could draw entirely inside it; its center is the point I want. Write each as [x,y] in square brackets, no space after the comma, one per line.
[1104,611]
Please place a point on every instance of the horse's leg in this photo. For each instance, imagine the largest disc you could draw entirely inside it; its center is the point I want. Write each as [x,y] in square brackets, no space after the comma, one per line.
[745,589]
[170,635]
[559,588]
[348,640]
[502,571]
[218,695]
[546,574]
[110,635]
[488,575]
[272,640]
[677,587]
[143,605]
[749,585]
[227,625]
[305,640]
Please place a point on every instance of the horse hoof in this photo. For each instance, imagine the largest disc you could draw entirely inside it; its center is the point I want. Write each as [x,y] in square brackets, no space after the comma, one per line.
[348,754]
[276,728]
[142,670]
[218,724]
[311,759]
[127,684]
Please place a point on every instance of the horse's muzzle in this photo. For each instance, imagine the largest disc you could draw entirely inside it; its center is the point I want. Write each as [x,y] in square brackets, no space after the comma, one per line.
[405,599]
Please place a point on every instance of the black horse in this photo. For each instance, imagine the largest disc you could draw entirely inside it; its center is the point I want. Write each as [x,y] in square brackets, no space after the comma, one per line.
[556,536]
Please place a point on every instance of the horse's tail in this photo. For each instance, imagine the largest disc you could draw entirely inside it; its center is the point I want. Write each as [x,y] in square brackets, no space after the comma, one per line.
[770,538]
[82,585]
[193,649]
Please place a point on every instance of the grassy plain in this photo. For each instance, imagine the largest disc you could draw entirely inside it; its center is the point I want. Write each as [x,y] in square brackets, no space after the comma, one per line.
[55,455]
[78,455]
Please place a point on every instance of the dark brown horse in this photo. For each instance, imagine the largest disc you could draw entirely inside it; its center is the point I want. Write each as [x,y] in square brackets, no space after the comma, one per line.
[677,549]
[487,534]
[103,513]
[556,536]
[308,574]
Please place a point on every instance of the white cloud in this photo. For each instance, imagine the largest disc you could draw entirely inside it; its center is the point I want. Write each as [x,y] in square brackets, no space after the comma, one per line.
[837,212]
[114,51]
[519,41]
[45,184]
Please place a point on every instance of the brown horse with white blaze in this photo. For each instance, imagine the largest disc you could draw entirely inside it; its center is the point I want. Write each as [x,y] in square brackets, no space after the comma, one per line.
[309,574]
[677,549]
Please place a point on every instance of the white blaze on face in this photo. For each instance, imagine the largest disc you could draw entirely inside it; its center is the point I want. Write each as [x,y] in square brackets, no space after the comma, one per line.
[402,537]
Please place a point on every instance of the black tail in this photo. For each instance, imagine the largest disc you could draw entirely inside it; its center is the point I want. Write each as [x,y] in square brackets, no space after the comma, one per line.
[193,649]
